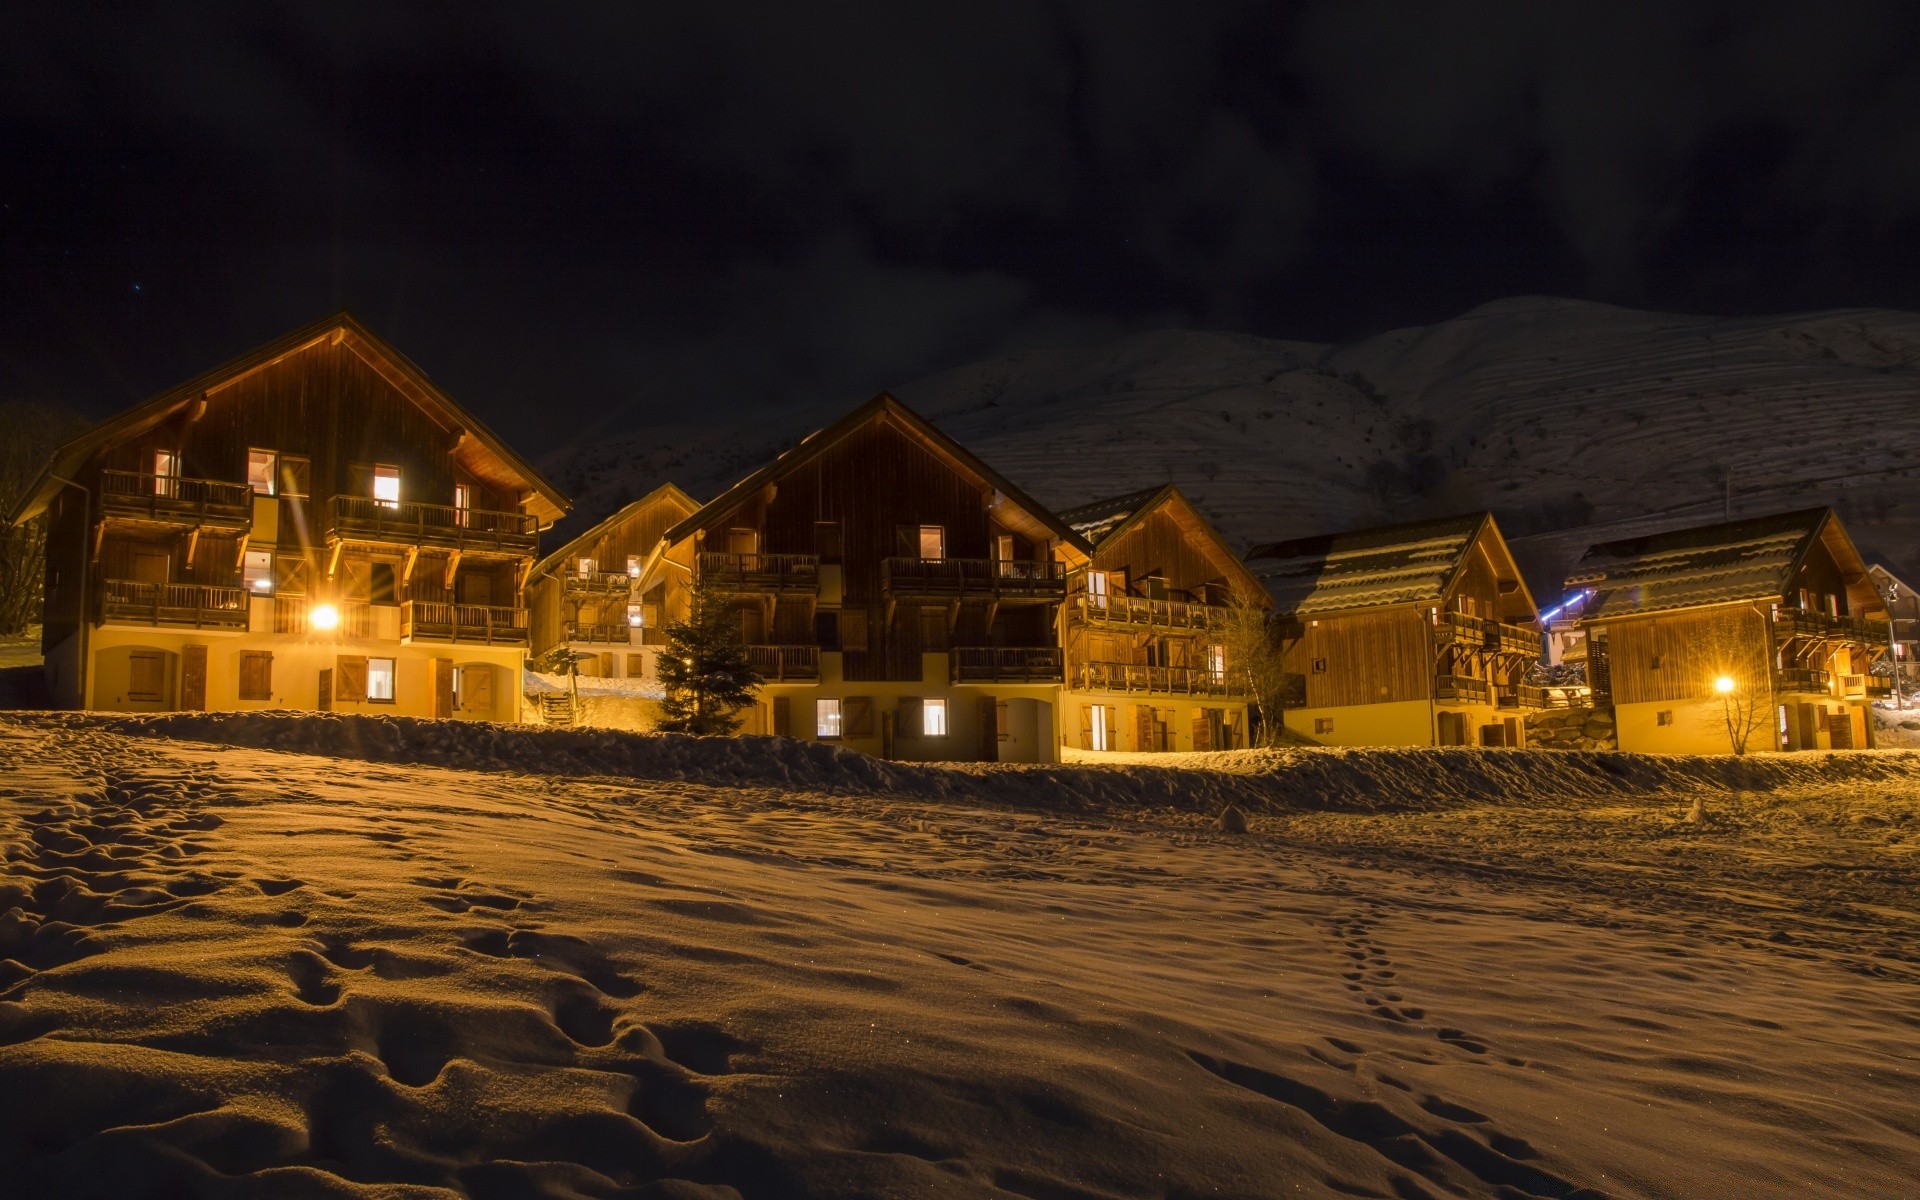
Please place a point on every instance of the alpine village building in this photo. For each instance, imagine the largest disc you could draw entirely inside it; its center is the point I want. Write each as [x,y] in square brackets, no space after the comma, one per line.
[313,525]
[896,594]
[1149,623]
[1903,608]
[1768,622]
[1406,635]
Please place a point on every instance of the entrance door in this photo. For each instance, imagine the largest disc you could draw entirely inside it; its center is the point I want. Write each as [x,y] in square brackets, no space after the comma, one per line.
[193,678]
[325,703]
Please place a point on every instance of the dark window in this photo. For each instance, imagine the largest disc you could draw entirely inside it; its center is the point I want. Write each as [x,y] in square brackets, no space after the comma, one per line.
[381,583]
[826,541]
[1319,666]
[826,629]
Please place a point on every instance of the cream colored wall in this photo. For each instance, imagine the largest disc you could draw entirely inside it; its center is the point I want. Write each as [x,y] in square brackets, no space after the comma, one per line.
[1698,727]
[1184,709]
[1396,723]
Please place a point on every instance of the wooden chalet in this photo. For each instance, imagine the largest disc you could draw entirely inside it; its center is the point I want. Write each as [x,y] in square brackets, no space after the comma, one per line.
[897,594]
[1407,635]
[1778,613]
[1149,622]
[312,525]
[1903,609]
[587,595]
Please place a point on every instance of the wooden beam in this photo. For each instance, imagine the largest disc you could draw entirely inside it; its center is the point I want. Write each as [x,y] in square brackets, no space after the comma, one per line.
[99,534]
[193,543]
[333,558]
[453,564]
[240,551]
[406,566]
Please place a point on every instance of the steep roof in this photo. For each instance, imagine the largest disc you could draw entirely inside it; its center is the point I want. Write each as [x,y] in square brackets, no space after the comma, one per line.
[1104,522]
[1755,558]
[882,406]
[343,327]
[666,491]
[1412,563]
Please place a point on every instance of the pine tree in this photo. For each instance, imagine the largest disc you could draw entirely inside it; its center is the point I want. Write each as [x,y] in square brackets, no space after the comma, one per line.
[705,668]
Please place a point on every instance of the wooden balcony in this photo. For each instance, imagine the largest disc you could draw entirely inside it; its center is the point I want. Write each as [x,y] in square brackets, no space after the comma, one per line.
[1157,681]
[793,574]
[1805,681]
[617,633]
[186,605]
[606,585]
[1462,689]
[1521,696]
[172,500]
[1513,639]
[437,621]
[1135,612]
[1481,633]
[292,614]
[984,578]
[1879,687]
[1791,623]
[409,523]
[1005,664]
[781,664]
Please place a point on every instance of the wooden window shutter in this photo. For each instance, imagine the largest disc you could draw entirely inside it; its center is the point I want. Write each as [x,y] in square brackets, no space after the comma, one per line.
[856,716]
[350,677]
[906,719]
[193,678]
[1202,731]
[989,729]
[636,666]
[1113,740]
[443,687]
[1086,726]
[476,688]
[853,629]
[1143,727]
[606,664]
[782,717]
[256,675]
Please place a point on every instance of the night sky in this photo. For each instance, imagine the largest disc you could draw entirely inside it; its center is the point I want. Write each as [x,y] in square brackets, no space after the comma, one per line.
[579,217]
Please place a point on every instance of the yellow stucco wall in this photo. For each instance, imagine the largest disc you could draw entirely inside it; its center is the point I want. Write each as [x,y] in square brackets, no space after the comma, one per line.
[1395,723]
[1126,733]
[1699,727]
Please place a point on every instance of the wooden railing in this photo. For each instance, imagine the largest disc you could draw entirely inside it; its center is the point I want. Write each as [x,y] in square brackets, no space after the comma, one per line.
[1002,577]
[437,621]
[1805,679]
[778,663]
[415,524]
[1790,623]
[293,614]
[1520,695]
[760,572]
[1513,639]
[598,583]
[1136,612]
[1879,687]
[1136,677]
[173,498]
[198,605]
[617,633]
[1005,664]
[1482,633]
[1462,688]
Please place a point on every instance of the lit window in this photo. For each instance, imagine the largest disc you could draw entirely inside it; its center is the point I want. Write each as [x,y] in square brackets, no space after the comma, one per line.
[462,504]
[826,718]
[636,616]
[386,486]
[262,468]
[1663,717]
[933,718]
[256,574]
[587,567]
[166,472]
[633,566]
[1097,727]
[380,680]
[933,541]
[1097,588]
[1325,724]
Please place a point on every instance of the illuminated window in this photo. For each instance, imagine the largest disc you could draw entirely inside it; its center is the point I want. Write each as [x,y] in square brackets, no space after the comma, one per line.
[1097,588]
[380,680]
[933,541]
[256,574]
[633,566]
[587,566]
[1098,717]
[1325,724]
[1663,717]
[636,616]
[826,718]
[386,486]
[933,718]
[262,470]
[462,504]
[1217,663]
[166,472]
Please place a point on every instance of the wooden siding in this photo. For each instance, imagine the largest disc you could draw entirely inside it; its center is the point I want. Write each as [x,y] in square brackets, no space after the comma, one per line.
[627,533]
[1677,656]
[1157,545]
[1370,657]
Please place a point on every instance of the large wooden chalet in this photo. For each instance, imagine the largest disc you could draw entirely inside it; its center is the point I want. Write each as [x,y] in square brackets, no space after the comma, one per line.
[312,525]
[1149,622]
[1777,612]
[1407,635]
[897,595]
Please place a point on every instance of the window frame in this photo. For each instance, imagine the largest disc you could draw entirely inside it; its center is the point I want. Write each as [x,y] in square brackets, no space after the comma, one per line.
[272,479]
[829,719]
[392,681]
[939,533]
[929,706]
[166,472]
[272,576]
[392,472]
[247,656]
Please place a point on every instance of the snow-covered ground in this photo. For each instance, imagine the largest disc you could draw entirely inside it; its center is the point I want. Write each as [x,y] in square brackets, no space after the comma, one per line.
[453,960]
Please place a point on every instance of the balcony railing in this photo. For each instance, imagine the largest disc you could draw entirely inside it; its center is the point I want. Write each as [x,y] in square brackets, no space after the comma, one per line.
[1521,695]
[1513,639]
[779,663]
[760,572]
[1136,612]
[1005,578]
[293,614]
[1462,689]
[437,621]
[1481,633]
[1790,623]
[608,584]
[196,605]
[1879,687]
[410,523]
[1135,677]
[1806,680]
[173,498]
[616,633]
[1005,664]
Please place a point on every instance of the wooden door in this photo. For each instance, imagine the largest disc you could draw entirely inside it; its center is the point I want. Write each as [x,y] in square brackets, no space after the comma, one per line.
[1840,730]
[443,688]
[325,703]
[193,678]
[989,729]
[476,689]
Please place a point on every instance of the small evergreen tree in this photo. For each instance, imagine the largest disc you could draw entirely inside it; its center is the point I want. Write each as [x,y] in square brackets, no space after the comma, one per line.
[705,668]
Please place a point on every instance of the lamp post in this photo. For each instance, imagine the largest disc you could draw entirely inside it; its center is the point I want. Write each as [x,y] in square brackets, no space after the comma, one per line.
[1890,592]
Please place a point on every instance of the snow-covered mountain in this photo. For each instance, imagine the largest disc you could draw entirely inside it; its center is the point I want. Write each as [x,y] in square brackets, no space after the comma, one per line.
[1557,414]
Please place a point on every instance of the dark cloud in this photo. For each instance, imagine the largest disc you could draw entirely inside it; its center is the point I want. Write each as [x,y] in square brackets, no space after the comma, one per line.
[584,216]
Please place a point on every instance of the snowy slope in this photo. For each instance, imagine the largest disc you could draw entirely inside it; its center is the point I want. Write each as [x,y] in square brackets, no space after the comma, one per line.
[1554,413]
[669,969]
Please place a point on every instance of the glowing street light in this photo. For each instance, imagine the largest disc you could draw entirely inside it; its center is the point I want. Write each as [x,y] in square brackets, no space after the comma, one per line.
[324,616]
[1724,685]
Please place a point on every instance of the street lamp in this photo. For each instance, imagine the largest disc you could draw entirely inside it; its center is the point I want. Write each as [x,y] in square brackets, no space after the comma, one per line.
[324,616]
[1724,685]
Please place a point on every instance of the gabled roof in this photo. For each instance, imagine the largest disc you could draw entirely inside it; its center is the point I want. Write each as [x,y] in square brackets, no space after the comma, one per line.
[1753,559]
[881,406]
[1414,563]
[666,491]
[1105,522]
[343,327]
[1884,565]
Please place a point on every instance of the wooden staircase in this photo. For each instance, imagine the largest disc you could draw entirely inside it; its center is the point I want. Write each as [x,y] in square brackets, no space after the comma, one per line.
[556,710]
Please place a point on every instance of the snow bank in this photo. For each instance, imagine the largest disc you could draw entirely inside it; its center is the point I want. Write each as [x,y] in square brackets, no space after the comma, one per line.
[1291,779]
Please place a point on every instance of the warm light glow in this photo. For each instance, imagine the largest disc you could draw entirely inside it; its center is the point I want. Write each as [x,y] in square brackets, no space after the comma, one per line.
[1723,685]
[324,616]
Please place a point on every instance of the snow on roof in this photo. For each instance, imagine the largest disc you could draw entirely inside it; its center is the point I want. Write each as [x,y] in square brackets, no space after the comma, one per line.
[1096,519]
[1751,559]
[1365,568]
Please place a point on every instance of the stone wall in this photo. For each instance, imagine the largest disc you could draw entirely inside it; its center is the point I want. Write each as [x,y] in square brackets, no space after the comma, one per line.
[1572,729]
